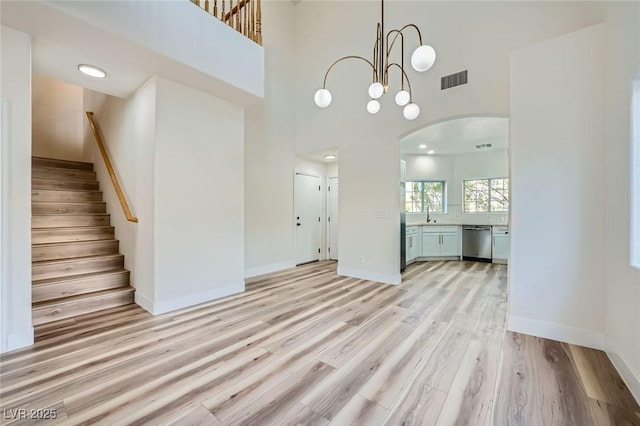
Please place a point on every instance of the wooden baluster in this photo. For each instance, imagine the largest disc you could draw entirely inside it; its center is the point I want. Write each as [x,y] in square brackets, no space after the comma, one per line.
[251,20]
[222,16]
[197,2]
[231,13]
[259,22]
[238,21]
[215,8]
[245,11]
[206,5]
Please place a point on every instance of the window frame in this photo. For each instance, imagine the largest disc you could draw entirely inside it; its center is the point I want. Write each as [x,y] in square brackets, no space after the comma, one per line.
[422,203]
[489,211]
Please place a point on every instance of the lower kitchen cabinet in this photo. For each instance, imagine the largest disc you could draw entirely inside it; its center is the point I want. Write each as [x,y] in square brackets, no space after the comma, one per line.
[500,244]
[440,241]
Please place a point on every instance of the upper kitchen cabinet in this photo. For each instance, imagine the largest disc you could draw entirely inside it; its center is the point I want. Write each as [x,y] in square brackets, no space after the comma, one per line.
[457,172]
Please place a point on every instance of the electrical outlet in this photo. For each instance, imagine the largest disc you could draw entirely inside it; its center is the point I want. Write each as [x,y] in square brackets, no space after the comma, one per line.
[360,259]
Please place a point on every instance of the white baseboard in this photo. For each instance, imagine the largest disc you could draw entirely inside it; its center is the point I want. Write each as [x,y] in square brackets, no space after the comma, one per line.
[630,377]
[553,331]
[143,302]
[163,306]
[19,340]
[267,269]
[393,279]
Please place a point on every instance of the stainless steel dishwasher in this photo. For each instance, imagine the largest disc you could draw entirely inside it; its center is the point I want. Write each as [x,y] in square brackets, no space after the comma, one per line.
[476,243]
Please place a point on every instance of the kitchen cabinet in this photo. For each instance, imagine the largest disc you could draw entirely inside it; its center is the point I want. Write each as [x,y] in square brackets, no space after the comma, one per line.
[500,246]
[440,241]
[413,243]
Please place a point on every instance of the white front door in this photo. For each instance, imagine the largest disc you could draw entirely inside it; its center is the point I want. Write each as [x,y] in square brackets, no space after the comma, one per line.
[306,217]
[333,223]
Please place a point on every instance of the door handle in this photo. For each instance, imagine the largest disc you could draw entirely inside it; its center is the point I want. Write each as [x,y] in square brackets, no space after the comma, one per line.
[298,224]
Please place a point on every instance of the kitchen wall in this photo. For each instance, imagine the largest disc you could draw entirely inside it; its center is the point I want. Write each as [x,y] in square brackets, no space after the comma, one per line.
[57,119]
[369,145]
[16,330]
[454,169]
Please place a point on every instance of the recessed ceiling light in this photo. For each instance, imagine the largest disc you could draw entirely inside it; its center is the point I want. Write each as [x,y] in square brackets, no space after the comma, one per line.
[431,152]
[422,146]
[92,71]
[329,157]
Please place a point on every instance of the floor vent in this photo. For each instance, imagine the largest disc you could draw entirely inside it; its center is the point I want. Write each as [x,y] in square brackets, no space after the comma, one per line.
[484,146]
[453,80]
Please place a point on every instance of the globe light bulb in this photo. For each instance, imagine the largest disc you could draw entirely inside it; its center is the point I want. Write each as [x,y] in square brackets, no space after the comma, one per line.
[402,98]
[411,111]
[376,90]
[322,98]
[373,106]
[423,58]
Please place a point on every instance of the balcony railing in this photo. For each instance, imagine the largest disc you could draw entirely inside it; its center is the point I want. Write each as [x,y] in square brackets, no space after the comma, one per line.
[245,16]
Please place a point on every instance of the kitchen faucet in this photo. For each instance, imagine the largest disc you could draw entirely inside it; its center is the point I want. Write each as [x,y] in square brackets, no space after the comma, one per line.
[428,218]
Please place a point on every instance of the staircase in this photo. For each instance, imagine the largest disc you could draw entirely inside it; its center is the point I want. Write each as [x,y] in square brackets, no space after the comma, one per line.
[76,265]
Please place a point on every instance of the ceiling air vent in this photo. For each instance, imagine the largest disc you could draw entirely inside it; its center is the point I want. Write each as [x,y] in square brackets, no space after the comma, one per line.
[453,80]
[484,146]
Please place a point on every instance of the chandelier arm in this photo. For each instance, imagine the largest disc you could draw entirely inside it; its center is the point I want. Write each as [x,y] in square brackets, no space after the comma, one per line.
[406,77]
[324,84]
[400,32]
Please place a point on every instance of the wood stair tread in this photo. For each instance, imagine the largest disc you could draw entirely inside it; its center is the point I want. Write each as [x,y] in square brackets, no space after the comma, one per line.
[80,242]
[78,259]
[79,228]
[95,294]
[76,266]
[70,278]
[78,165]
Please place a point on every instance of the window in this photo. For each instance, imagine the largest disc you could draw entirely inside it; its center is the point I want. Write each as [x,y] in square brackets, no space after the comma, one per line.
[486,195]
[423,195]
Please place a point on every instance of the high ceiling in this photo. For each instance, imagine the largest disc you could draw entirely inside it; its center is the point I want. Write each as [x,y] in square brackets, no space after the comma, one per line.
[458,136]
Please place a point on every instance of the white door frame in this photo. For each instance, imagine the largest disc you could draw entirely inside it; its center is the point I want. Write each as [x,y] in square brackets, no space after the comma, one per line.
[328,213]
[293,217]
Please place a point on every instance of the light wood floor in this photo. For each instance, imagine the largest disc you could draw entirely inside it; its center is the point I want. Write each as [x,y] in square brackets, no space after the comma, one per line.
[308,347]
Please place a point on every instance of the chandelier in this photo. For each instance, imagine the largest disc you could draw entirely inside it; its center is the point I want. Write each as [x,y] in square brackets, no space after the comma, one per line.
[421,60]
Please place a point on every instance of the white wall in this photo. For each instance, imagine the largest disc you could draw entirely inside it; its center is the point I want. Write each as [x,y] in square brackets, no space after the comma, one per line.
[16,329]
[269,150]
[454,169]
[557,178]
[128,129]
[368,145]
[199,197]
[623,281]
[57,119]
[179,155]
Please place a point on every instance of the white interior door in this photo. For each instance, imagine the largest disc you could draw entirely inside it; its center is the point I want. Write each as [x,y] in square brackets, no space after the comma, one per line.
[306,215]
[332,219]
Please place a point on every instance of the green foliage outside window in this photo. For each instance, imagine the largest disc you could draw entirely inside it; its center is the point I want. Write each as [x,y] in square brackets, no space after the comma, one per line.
[486,195]
[425,194]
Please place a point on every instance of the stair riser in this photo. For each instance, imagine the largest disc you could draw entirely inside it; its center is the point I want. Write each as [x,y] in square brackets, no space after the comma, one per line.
[71,250]
[50,162]
[59,221]
[68,208]
[58,311]
[42,183]
[54,235]
[74,267]
[52,173]
[65,196]
[45,292]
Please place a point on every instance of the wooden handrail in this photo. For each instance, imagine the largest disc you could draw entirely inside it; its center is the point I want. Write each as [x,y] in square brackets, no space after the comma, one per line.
[123,201]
